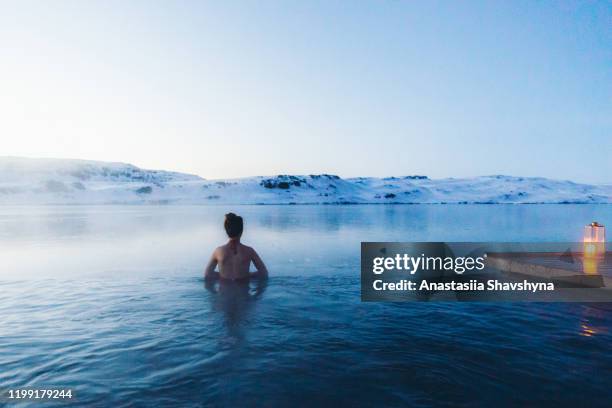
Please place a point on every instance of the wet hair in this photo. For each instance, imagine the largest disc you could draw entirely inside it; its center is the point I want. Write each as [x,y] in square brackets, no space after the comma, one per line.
[233,225]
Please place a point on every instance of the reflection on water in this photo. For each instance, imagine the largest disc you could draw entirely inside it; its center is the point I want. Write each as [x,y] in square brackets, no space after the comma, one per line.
[110,301]
[591,316]
[586,330]
[235,300]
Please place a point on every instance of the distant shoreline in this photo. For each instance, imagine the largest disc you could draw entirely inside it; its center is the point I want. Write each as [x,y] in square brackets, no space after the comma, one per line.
[57,181]
[183,204]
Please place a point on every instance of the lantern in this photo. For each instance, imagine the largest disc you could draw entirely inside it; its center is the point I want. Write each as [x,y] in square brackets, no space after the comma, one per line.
[594,240]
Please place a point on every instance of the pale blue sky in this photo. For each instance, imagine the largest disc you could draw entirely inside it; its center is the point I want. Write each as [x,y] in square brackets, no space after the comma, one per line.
[229,89]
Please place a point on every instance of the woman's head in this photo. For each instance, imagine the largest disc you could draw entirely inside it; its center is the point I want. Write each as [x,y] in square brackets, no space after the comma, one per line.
[233,225]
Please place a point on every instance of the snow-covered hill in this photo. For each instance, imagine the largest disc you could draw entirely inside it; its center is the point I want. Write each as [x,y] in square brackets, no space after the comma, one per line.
[55,181]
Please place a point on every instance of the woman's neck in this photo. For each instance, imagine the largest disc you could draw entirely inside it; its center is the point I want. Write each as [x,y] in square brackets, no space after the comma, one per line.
[233,243]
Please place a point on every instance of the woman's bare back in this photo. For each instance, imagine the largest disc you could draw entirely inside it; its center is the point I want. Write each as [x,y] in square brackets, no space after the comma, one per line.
[234,260]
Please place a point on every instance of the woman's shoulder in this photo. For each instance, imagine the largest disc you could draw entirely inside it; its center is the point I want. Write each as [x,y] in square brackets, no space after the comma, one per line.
[247,248]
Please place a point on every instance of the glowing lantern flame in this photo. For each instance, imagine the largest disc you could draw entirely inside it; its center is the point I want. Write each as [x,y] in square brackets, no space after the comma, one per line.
[594,240]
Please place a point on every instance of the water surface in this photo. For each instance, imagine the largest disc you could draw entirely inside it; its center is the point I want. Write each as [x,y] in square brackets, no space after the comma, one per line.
[109,300]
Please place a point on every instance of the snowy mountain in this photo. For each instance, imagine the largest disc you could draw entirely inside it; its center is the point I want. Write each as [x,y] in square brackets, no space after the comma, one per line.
[56,181]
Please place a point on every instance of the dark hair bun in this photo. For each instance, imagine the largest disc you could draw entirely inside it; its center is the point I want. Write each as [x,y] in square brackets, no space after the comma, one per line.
[233,225]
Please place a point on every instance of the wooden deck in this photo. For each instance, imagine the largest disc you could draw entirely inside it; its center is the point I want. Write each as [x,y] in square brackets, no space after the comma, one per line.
[568,268]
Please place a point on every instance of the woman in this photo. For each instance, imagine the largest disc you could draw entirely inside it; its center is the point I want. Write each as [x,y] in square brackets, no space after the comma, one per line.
[234,258]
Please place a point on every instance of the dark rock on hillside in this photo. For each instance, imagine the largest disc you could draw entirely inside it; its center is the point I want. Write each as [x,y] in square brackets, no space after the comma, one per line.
[283,182]
[144,190]
[327,176]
